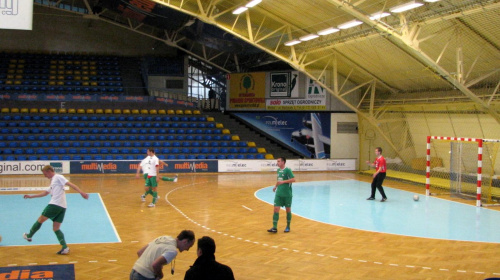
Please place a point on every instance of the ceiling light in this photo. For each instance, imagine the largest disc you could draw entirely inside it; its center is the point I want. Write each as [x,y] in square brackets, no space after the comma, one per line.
[292,42]
[350,24]
[239,10]
[379,15]
[328,31]
[405,7]
[252,3]
[308,37]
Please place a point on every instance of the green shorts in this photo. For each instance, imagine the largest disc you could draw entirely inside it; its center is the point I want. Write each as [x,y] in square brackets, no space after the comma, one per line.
[151,182]
[145,176]
[54,212]
[280,201]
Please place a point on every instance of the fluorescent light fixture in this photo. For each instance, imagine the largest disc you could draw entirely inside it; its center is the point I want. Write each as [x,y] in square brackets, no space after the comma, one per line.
[239,10]
[405,7]
[350,24]
[292,42]
[379,15]
[308,37]
[252,3]
[328,31]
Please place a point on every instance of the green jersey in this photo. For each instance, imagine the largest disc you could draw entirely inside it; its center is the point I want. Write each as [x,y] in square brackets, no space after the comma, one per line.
[284,190]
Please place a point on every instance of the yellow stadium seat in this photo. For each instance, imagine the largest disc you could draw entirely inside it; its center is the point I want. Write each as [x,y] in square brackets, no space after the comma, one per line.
[90,111]
[117,111]
[24,110]
[99,111]
[261,150]
[14,110]
[188,112]
[126,111]
[5,110]
[53,110]
[71,111]
[269,156]
[235,138]
[63,111]
[179,112]
[80,111]
[43,110]
[226,131]
[135,111]
[17,82]
[144,112]
[162,112]
[196,112]
[251,144]
[153,112]
[210,119]
[108,111]
[170,112]
[34,110]
[219,125]
[52,83]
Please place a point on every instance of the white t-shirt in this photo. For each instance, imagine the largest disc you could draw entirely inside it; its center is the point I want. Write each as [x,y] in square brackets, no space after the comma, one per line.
[165,246]
[153,163]
[145,165]
[56,190]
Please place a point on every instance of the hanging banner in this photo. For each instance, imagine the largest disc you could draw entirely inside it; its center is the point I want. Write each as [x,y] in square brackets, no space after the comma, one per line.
[247,90]
[16,14]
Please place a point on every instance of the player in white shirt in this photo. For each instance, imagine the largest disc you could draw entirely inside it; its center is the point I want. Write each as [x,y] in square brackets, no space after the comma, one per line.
[56,208]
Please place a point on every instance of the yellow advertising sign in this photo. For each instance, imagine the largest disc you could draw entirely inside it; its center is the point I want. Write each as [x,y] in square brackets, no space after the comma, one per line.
[247,90]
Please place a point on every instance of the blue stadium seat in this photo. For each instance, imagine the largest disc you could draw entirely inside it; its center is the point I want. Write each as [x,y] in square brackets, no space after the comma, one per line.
[211,157]
[230,156]
[201,157]
[260,156]
[250,156]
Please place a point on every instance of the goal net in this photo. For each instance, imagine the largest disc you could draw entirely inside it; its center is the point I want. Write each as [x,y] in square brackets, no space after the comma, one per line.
[466,167]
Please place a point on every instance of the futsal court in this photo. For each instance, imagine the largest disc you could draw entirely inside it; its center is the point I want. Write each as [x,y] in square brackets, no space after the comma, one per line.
[335,232]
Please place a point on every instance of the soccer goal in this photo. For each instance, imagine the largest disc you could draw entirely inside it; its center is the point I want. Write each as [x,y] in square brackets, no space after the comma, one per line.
[467,168]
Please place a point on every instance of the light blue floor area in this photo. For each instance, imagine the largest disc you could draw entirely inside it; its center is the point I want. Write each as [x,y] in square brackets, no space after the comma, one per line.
[343,203]
[86,221]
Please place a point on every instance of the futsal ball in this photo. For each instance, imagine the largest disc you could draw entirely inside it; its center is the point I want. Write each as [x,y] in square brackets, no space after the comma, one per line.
[416,197]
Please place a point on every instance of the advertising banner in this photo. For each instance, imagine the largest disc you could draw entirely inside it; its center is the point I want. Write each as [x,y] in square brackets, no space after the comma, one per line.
[32,167]
[247,90]
[306,133]
[125,166]
[46,272]
[16,14]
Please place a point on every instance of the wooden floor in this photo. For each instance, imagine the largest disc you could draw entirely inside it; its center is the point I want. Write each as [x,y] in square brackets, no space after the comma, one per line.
[223,206]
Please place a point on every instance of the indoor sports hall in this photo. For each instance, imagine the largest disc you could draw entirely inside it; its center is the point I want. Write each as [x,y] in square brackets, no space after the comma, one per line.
[222,91]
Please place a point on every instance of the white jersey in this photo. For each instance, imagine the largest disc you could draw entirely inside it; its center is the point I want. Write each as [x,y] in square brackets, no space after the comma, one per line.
[153,163]
[145,165]
[56,190]
[165,246]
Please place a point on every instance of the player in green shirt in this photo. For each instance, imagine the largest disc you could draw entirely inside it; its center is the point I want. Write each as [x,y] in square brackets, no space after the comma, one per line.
[283,197]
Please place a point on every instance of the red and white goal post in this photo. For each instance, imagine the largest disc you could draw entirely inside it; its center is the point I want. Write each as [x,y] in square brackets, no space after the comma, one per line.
[460,165]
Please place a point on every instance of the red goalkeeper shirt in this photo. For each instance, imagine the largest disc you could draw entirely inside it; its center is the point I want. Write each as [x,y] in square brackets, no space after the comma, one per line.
[380,164]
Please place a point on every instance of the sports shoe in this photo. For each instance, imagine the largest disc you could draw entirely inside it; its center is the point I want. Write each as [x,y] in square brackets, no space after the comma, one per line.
[143,198]
[286,230]
[273,230]
[175,178]
[25,236]
[64,251]
[383,199]
[151,205]
[371,198]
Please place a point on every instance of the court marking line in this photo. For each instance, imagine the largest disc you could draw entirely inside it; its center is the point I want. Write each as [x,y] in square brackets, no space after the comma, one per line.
[246,207]
[297,251]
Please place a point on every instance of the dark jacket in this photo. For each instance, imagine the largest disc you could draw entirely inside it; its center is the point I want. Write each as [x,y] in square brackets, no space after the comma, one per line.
[206,268]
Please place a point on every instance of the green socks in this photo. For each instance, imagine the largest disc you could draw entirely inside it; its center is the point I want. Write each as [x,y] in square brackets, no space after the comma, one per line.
[288,219]
[276,217]
[155,197]
[167,179]
[36,226]
[60,238]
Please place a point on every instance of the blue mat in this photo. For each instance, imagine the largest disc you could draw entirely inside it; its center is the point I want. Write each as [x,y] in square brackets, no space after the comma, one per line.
[86,221]
[344,203]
